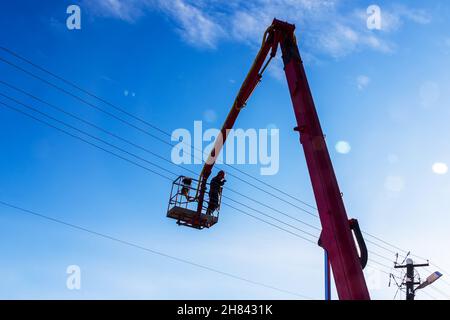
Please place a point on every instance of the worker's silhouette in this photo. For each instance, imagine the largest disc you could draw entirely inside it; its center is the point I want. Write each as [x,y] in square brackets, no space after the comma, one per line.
[186,188]
[215,188]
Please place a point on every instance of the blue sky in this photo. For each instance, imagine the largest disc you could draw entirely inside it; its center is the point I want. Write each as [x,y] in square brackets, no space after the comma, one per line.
[385,92]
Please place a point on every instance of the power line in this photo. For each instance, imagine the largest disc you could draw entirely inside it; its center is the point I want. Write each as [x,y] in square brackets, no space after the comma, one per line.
[429,295]
[434,288]
[80,89]
[88,134]
[276,210]
[380,264]
[139,128]
[152,171]
[441,280]
[372,267]
[267,215]
[162,131]
[390,274]
[142,159]
[126,122]
[380,256]
[402,279]
[385,242]
[149,250]
[443,270]
[74,85]
[273,225]
[120,119]
[382,271]
[82,139]
[391,271]
[143,167]
[380,246]
[159,167]
[84,101]
[62,110]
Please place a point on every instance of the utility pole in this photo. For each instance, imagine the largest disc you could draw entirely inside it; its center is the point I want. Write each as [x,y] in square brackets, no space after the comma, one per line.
[410,281]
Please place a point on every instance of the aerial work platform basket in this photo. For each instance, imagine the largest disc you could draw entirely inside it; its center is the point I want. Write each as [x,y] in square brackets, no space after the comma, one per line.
[184,207]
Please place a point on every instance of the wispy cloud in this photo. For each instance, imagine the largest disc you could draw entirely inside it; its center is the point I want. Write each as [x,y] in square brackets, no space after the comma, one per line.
[327,27]
[129,10]
[394,16]
[362,82]
[194,25]
[446,45]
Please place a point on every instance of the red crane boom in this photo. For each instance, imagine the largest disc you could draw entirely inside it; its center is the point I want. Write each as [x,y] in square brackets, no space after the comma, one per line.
[336,236]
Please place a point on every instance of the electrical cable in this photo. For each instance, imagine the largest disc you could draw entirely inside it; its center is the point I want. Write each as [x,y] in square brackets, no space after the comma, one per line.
[149,250]
[166,133]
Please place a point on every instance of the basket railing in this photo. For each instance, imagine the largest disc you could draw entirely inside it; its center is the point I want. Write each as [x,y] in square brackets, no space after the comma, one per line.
[182,195]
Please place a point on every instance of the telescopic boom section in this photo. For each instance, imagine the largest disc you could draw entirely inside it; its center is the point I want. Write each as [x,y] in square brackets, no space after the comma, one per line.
[250,83]
[336,236]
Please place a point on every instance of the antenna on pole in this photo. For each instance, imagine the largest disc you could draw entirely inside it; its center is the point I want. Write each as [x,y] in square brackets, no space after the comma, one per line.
[410,283]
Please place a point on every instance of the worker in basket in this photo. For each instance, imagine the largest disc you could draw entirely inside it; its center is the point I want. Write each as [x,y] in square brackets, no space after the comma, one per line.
[186,188]
[215,188]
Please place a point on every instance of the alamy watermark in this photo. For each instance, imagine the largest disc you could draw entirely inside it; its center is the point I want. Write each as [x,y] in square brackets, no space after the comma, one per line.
[252,146]
[374,17]
[73,281]
[73,21]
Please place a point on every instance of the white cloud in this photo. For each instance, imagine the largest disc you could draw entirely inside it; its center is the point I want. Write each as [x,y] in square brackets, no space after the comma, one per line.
[446,45]
[194,25]
[210,115]
[129,10]
[429,93]
[394,183]
[415,15]
[447,42]
[276,69]
[393,158]
[394,16]
[362,82]
[324,26]
[440,168]
[339,41]
[343,147]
